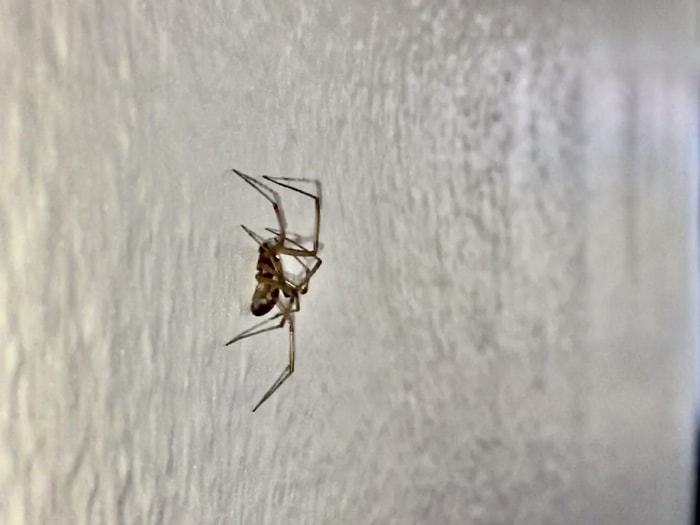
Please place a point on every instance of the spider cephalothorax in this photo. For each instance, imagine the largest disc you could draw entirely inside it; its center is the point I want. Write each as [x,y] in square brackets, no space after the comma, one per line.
[273,287]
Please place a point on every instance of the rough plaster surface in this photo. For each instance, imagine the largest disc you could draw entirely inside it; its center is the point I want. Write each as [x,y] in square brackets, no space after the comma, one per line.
[501,333]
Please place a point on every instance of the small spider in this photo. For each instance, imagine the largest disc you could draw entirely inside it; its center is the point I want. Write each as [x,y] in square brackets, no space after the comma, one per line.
[274,287]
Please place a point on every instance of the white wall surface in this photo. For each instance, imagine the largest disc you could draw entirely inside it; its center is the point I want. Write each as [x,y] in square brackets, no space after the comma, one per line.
[503,328]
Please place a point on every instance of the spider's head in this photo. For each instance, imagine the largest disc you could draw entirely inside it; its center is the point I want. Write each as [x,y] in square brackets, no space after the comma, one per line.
[268,247]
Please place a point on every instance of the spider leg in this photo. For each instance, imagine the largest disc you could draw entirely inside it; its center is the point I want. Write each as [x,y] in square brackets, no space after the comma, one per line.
[271,195]
[278,383]
[289,369]
[295,243]
[254,235]
[285,311]
[317,208]
[304,284]
[256,328]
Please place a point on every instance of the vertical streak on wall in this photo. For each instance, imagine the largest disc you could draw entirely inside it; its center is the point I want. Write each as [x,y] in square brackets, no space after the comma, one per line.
[642,163]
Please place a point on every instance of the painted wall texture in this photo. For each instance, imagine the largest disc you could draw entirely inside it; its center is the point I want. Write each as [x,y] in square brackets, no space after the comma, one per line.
[503,328]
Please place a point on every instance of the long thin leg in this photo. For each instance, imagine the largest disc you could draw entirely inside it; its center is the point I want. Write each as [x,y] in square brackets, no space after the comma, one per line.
[254,235]
[317,207]
[291,345]
[304,284]
[289,369]
[295,243]
[278,383]
[293,306]
[255,329]
[272,196]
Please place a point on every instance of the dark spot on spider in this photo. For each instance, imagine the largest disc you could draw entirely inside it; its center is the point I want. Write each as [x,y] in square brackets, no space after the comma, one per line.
[261,309]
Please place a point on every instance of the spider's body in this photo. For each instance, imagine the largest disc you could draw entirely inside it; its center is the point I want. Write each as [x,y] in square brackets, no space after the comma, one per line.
[273,287]
[267,291]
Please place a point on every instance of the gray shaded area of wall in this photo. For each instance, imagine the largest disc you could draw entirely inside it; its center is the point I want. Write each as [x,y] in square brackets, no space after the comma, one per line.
[503,328]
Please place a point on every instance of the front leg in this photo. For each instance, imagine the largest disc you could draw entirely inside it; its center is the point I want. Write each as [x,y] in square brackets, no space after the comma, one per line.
[317,209]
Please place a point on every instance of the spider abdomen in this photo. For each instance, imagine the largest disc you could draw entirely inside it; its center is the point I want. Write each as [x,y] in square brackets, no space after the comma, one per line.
[264,299]
[266,291]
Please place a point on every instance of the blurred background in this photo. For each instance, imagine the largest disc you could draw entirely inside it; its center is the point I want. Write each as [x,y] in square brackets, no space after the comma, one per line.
[504,329]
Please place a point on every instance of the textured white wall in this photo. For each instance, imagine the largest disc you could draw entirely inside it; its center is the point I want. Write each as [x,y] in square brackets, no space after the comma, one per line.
[502,331]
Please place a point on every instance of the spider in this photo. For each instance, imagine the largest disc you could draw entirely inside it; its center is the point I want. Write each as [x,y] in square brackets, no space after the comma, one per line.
[274,287]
